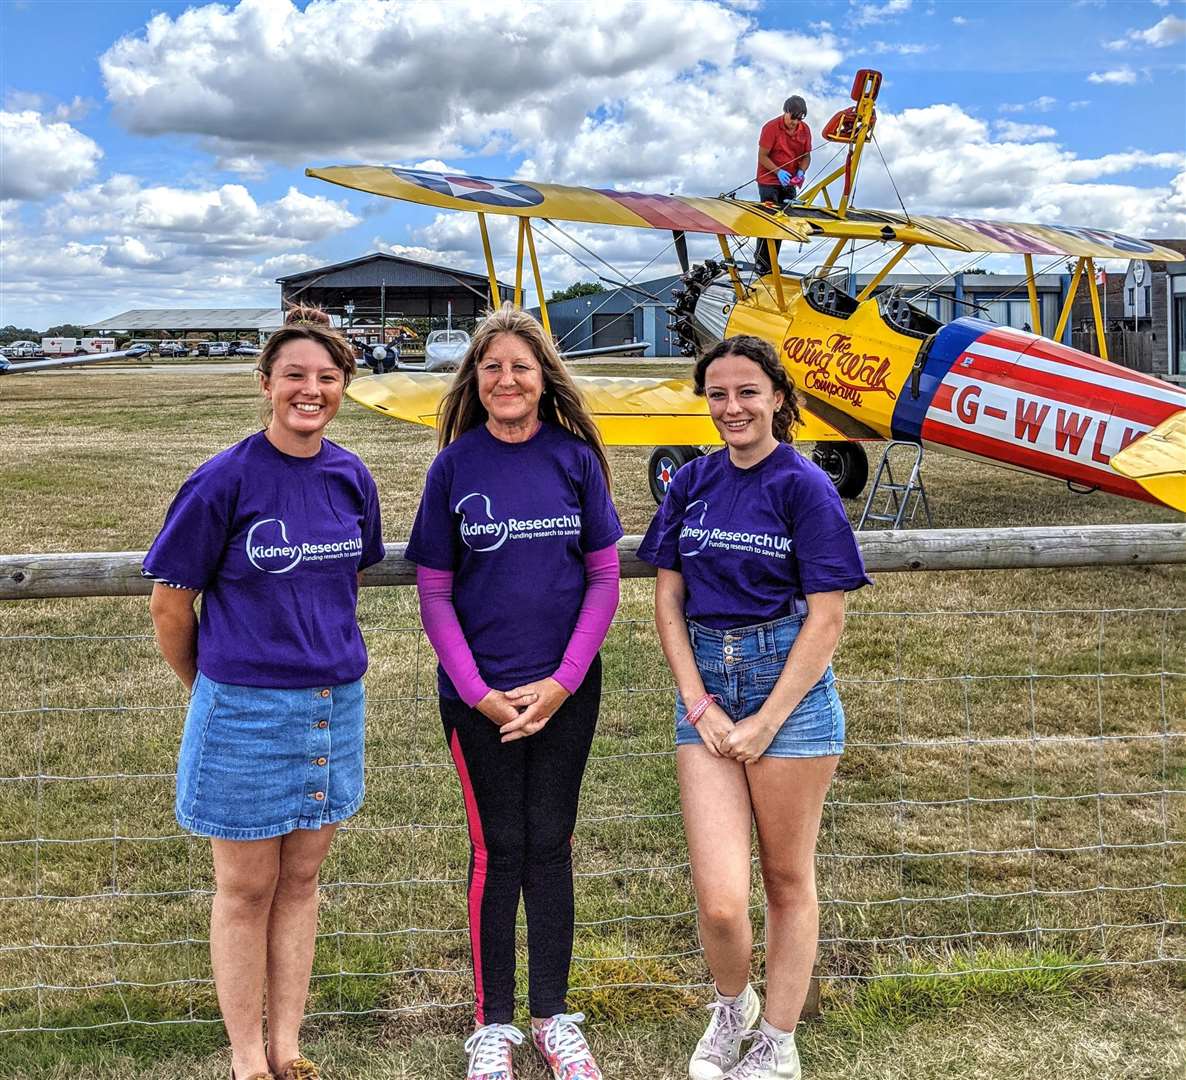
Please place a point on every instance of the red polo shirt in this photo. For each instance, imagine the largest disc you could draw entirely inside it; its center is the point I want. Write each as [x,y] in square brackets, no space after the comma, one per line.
[783,148]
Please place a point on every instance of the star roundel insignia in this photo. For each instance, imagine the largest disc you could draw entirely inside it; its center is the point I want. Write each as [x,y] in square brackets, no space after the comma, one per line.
[477,189]
[666,471]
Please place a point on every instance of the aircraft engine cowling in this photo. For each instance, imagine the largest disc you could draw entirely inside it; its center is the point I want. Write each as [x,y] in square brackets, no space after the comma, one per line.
[702,308]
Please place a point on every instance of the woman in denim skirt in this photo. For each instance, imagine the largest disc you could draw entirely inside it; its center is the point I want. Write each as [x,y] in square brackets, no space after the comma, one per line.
[272,532]
[754,556]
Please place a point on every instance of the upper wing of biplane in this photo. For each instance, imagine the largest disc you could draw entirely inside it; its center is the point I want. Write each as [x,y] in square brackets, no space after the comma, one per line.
[628,412]
[733,217]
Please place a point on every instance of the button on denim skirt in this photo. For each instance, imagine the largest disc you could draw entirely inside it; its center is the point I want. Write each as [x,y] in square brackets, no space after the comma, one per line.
[740,666]
[257,762]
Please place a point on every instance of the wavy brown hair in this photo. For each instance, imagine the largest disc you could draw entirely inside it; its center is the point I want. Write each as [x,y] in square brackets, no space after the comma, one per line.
[560,404]
[787,417]
[305,322]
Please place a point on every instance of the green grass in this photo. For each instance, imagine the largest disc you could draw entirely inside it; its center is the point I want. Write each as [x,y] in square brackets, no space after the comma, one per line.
[937,714]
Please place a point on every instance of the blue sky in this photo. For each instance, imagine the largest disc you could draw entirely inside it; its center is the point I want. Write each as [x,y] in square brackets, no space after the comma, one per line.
[153,153]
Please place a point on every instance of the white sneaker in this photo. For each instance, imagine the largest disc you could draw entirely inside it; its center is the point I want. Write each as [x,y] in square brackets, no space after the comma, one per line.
[720,1045]
[489,1051]
[768,1059]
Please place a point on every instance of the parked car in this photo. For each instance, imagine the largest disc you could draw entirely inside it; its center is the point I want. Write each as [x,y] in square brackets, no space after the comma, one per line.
[138,348]
[173,348]
[24,349]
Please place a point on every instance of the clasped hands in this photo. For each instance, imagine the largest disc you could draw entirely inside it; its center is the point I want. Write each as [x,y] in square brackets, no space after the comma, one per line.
[524,710]
[746,741]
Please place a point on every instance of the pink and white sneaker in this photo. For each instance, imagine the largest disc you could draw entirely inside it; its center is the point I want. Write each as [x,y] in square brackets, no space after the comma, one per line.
[489,1050]
[563,1047]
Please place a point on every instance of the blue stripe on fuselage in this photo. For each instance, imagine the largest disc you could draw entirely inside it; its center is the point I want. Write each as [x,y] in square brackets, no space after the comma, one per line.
[949,345]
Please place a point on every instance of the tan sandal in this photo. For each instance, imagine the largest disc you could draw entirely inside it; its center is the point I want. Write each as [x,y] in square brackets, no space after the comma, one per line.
[299,1069]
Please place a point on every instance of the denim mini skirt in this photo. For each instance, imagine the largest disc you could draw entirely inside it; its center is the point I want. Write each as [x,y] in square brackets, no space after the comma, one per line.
[258,762]
[741,665]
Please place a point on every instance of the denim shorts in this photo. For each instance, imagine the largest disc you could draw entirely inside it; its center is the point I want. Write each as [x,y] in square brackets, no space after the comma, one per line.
[258,762]
[741,665]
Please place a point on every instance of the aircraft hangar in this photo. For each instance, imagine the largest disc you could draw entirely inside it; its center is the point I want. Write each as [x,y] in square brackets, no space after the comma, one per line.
[379,290]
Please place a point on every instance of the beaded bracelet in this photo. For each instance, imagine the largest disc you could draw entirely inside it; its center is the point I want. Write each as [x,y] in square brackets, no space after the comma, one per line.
[700,708]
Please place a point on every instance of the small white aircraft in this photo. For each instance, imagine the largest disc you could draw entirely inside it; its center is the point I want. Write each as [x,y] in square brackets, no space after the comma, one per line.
[7,367]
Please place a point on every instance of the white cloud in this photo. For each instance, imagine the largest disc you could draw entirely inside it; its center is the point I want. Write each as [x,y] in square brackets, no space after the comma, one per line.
[959,20]
[1122,76]
[121,243]
[202,221]
[904,48]
[350,77]
[247,166]
[1040,104]
[1011,131]
[39,158]
[1169,31]
[1081,103]
[864,14]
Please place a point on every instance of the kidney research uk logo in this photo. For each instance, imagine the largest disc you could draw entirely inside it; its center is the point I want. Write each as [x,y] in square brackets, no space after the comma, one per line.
[269,548]
[482,531]
[695,535]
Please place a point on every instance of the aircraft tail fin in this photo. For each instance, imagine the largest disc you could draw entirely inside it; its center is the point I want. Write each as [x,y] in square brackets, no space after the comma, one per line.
[1157,461]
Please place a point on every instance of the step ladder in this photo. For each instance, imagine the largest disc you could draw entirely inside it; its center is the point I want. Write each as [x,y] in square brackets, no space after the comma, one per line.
[902,500]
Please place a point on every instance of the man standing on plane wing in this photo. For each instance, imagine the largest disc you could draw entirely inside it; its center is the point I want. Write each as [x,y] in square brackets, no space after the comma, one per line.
[784,154]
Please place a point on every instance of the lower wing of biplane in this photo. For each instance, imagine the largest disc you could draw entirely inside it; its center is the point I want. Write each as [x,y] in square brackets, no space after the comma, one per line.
[628,412]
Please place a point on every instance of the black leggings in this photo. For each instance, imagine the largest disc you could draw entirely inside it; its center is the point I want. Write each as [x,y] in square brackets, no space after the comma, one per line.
[521,806]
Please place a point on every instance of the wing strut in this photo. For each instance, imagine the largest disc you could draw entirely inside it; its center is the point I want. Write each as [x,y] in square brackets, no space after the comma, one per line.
[1095,309]
[539,281]
[681,249]
[1032,288]
[893,261]
[519,264]
[1070,300]
[494,295]
[731,266]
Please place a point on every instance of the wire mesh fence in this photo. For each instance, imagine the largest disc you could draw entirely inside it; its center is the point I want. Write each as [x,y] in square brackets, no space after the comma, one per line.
[1013,795]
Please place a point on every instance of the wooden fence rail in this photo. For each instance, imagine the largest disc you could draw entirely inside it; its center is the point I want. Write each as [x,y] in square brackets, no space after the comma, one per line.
[117,573]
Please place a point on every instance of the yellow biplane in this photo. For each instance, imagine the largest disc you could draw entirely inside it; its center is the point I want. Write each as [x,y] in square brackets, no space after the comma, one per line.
[869,367]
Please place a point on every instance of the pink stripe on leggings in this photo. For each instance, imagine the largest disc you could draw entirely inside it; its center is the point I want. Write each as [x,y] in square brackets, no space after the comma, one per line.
[477,886]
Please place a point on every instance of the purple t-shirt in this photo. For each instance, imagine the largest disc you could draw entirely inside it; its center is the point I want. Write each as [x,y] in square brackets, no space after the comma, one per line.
[751,542]
[513,522]
[275,544]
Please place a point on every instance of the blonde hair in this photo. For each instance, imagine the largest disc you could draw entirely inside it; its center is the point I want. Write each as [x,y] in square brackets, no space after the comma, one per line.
[308,323]
[560,404]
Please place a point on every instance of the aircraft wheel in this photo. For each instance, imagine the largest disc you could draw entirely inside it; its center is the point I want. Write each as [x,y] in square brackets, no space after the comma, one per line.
[665,462]
[846,465]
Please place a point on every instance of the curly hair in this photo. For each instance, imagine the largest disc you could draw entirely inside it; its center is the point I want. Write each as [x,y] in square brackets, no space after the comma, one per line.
[561,402]
[308,323]
[787,417]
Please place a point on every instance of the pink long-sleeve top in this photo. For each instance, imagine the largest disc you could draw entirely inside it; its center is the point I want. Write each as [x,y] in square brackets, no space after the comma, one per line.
[439,618]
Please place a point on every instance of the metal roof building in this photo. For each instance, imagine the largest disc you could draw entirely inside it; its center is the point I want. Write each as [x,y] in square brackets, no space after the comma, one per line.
[183,320]
[635,313]
[379,288]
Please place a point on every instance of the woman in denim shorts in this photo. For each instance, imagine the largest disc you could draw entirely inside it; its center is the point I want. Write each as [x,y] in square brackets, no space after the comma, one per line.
[754,556]
[273,533]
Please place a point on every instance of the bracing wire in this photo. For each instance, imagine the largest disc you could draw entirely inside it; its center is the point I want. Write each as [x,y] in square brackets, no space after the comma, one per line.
[629,281]
[885,163]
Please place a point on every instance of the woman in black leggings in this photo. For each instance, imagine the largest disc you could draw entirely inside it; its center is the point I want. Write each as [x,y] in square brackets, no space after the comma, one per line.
[517,567]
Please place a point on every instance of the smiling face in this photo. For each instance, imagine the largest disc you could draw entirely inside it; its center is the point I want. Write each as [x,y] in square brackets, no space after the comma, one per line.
[742,402]
[510,383]
[305,388]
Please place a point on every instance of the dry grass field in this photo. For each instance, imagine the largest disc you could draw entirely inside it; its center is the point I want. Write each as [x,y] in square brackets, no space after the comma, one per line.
[1008,806]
